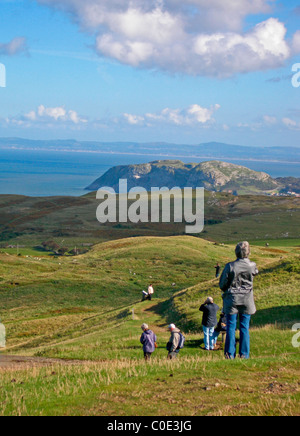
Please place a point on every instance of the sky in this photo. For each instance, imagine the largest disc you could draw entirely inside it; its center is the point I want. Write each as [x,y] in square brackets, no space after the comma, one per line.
[180,71]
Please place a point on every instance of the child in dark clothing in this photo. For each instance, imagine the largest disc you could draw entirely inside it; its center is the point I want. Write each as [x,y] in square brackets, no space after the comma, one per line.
[221,327]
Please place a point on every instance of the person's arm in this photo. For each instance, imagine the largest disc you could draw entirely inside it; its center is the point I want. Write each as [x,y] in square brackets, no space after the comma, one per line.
[255,270]
[202,308]
[225,280]
[142,340]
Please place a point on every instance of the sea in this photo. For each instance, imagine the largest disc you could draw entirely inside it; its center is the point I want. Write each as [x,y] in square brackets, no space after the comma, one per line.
[54,173]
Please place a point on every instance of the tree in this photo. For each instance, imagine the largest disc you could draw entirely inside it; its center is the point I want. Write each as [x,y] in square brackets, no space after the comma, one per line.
[62,251]
[51,246]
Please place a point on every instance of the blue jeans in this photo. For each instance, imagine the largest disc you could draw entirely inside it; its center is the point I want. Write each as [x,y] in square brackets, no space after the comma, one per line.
[209,341]
[230,345]
[216,335]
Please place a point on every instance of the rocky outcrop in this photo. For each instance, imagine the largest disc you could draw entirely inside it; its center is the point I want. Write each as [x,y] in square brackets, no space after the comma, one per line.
[212,175]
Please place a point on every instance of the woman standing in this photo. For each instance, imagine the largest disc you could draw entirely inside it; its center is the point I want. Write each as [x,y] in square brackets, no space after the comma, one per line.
[237,284]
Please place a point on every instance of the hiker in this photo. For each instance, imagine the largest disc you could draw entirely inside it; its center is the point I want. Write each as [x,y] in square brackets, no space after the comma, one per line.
[173,346]
[145,295]
[221,327]
[236,282]
[150,292]
[218,269]
[148,340]
[209,321]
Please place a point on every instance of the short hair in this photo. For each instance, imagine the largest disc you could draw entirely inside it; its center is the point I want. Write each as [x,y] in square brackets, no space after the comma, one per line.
[210,299]
[242,250]
[145,327]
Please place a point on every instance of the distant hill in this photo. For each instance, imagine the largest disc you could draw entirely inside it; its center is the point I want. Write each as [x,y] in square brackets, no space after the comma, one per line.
[213,176]
[71,221]
[209,151]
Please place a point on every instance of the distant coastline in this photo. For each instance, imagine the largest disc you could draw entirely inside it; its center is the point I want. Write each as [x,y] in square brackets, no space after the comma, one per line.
[36,170]
[162,155]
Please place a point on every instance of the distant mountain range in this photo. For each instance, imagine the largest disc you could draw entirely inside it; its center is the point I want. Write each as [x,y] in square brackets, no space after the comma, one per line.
[209,151]
[213,176]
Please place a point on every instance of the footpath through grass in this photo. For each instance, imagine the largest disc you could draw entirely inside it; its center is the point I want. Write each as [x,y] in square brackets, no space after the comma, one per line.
[119,382]
[64,310]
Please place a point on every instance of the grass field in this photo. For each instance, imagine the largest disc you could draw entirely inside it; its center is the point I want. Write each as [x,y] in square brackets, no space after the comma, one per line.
[88,310]
[71,221]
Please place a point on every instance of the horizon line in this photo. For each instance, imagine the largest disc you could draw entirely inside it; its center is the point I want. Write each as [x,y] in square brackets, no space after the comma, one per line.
[211,158]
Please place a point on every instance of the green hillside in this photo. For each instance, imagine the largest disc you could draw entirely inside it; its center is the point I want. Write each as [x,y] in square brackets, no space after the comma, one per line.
[71,221]
[87,310]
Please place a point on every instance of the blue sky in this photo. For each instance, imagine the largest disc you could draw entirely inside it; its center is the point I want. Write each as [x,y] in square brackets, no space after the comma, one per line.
[186,71]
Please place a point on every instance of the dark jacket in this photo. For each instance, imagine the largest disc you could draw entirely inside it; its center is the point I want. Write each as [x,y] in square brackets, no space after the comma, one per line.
[222,324]
[210,311]
[148,340]
[237,284]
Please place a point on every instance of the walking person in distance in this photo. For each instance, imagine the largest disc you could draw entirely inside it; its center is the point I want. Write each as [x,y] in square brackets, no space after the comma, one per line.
[174,345]
[148,340]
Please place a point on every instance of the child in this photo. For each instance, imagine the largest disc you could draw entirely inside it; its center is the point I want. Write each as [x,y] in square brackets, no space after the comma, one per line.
[221,327]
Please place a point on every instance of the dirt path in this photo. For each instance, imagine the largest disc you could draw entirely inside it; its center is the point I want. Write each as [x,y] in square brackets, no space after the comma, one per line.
[20,362]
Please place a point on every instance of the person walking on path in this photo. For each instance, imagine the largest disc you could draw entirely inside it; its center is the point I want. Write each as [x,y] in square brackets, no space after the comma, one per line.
[174,342]
[209,321]
[150,292]
[148,340]
[236,282]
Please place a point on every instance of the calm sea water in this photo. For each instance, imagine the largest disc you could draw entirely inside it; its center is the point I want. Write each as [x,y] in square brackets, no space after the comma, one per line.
[44,173]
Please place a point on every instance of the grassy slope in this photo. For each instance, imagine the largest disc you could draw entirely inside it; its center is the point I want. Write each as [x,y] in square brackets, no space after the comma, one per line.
[83,310]
[112,275]
[72,221]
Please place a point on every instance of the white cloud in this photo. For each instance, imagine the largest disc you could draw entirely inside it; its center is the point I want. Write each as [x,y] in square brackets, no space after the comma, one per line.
[291,124]
[59,114]
[296,42]
[197,37]
[220,15]
[52,112]
[201,115]
[269,120]
[14,47]
[47,116]
[31,116]
[134,119]
[60,117]
[193,115]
